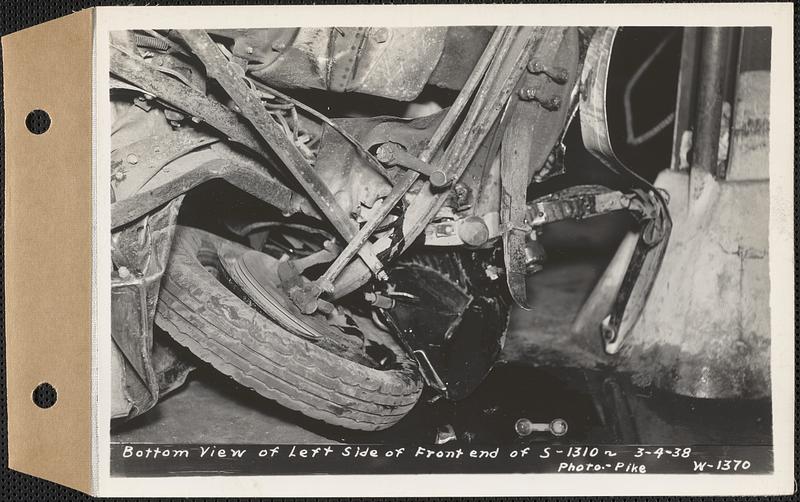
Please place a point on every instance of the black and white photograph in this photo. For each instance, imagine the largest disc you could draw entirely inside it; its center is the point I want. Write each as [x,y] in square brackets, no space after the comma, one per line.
[440,249]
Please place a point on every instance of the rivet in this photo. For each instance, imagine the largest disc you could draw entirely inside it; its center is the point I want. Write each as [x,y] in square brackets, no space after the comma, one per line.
[132,159]
[557,74]
[527,93]
[381,35]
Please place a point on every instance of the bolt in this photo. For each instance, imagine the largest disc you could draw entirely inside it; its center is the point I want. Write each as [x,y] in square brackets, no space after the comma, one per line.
[534,256]
[379,301]
[279,46]
[132,159]
[249,50]
[196,120]
[492,272]
[444,230]
[386,153]
[551,103]
[123,272]
[392,154]
[438,179]
[527,93]
[119,176]
[556,73]
[473,231]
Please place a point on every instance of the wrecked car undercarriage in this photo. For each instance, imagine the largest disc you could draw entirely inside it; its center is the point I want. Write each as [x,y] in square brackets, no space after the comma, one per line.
[362,254]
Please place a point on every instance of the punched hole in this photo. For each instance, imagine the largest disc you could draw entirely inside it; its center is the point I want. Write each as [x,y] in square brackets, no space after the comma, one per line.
[38,121]
[44,395]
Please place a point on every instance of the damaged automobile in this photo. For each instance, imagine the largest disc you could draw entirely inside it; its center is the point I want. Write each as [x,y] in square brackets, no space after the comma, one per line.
[342,219]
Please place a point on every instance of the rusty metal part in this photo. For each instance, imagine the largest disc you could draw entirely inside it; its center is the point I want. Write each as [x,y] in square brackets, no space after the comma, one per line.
[409,179]
[131,332]
[252,181]
[522,156]
[573,203]
[349,173]
[535,254]
[227,75]
[512,48]
[637,282]
[491,98]
[390,62]
[451,232]
[474,231]
[370,159]
[463,47]
[557,74]
[139,253]
[654,232]
[580,202]
[133,165]
[149,42]
[594,115]
[713,68]
[393,154]
[549,102]
[447,308]
[325,255]
[379,301]
[195,103]
[513,183]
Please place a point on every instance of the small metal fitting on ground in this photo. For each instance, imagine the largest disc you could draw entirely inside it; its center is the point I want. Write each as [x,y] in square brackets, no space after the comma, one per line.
[524,427]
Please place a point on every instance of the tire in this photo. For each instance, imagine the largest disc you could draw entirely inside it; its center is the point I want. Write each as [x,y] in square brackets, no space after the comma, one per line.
[203,315]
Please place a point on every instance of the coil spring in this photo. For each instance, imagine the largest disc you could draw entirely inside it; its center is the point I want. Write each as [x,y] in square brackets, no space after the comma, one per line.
[149,42]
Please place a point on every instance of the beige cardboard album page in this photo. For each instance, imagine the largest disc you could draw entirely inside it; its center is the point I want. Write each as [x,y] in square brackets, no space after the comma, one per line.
[48,248]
